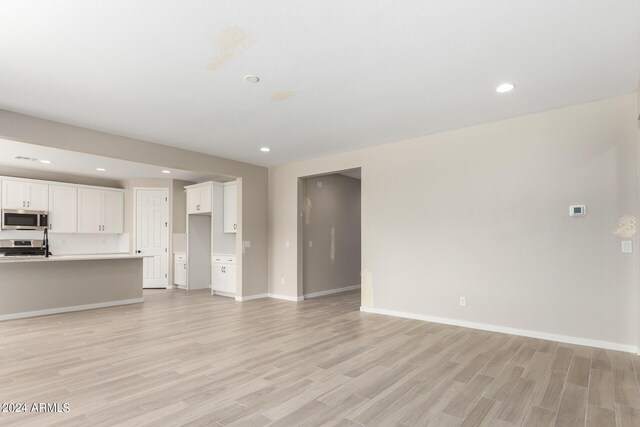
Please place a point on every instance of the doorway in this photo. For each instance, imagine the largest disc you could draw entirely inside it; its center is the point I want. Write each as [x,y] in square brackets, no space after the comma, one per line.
[331,230]
[152,235]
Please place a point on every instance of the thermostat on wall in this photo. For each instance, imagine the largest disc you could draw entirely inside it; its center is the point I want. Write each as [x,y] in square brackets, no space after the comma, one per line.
[577,210]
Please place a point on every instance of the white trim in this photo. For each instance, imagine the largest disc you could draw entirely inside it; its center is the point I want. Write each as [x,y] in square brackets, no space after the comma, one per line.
[285,297]
[506,330]
[59,310]
[331,291]
[224,294]
[252,297]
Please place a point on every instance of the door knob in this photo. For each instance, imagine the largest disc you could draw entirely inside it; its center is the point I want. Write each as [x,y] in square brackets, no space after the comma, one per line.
[139,251]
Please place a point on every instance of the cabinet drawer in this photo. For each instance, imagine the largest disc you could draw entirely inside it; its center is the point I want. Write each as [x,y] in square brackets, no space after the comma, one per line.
[224,259]
[180,257]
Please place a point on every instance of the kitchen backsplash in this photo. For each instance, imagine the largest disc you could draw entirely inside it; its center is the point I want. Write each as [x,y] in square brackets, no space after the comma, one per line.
[76,244]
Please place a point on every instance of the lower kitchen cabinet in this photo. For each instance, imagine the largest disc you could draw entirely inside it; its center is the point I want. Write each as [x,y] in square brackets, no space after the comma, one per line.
[224,274]
[180,267]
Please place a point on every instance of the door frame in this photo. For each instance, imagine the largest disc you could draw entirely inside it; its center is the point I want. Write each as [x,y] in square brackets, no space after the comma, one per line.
[168,229]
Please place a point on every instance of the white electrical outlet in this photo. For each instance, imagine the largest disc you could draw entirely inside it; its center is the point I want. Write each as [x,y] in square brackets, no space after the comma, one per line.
[319,184]
[310,243]
[287,244]
[282,281]
[463,301]
[627,246]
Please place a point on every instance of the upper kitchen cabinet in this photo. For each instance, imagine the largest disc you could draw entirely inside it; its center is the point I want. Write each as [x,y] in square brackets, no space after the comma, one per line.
[113,212]
[199,198]
[17,194]
[100,211]
[63,208]
[230,207]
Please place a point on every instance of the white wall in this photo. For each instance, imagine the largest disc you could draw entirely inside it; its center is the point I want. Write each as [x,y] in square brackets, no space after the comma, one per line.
[482,212]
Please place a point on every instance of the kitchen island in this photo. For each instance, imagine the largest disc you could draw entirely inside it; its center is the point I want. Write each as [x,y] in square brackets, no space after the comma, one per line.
[38,286]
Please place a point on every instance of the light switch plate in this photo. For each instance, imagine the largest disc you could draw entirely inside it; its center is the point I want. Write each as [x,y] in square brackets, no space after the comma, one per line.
[310,243]
[627,246]
[247,243]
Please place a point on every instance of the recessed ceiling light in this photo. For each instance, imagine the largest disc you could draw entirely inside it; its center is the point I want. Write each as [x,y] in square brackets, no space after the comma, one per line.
[101,169]
[46,162]
[251,79]
[166,171]
[265,149]
[505,87]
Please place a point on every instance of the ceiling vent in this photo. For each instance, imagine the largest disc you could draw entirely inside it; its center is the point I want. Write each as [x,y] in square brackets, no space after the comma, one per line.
[32,159]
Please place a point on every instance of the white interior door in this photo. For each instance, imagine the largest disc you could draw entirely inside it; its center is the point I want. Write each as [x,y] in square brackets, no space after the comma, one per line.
[152,236]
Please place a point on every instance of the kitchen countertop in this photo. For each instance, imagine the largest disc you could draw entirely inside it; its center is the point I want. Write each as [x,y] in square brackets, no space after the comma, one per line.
[54,258]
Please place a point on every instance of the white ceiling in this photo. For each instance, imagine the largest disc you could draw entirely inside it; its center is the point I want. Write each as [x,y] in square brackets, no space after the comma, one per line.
[335,75]
[74,163]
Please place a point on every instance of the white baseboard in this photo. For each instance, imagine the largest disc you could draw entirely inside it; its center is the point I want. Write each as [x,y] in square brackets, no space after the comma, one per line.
[224,294]
[285,297]
[331,291]
[251,297]
[506,330]
[59,310]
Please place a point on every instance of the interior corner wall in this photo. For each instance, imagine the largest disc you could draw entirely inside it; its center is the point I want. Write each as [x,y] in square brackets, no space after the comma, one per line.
[179,197]
[483,212]
[331,221]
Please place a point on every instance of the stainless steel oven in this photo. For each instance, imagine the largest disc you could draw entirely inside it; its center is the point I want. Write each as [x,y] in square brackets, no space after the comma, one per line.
[17,219]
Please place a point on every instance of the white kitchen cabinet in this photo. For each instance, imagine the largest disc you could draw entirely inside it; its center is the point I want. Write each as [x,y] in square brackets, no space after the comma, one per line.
[63,209]
[199,199]
[230,207]
[180,267]
[100,211]
[113,212]
[224,274]
[18,194]
[89,206]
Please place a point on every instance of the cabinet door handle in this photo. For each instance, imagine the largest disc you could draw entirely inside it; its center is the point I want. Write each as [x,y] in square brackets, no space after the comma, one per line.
[50,226]
[185,266]
[23,204]
[28,204]
[235,226]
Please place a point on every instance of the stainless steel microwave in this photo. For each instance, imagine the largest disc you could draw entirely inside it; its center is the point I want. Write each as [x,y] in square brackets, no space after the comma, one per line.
[17,219]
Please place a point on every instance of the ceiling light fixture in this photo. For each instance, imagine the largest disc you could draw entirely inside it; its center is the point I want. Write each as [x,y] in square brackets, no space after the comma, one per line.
[505,87]
[45,162]
[251,79]
[166,171]
[265,149]
[101,169]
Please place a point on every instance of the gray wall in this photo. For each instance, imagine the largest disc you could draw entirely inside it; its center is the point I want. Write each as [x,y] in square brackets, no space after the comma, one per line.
[33,286]
[331,220]
[252,185]
[483,212]
[179,196]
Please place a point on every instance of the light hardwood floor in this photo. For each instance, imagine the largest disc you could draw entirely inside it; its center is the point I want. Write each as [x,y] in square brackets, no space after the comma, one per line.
[193,359]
